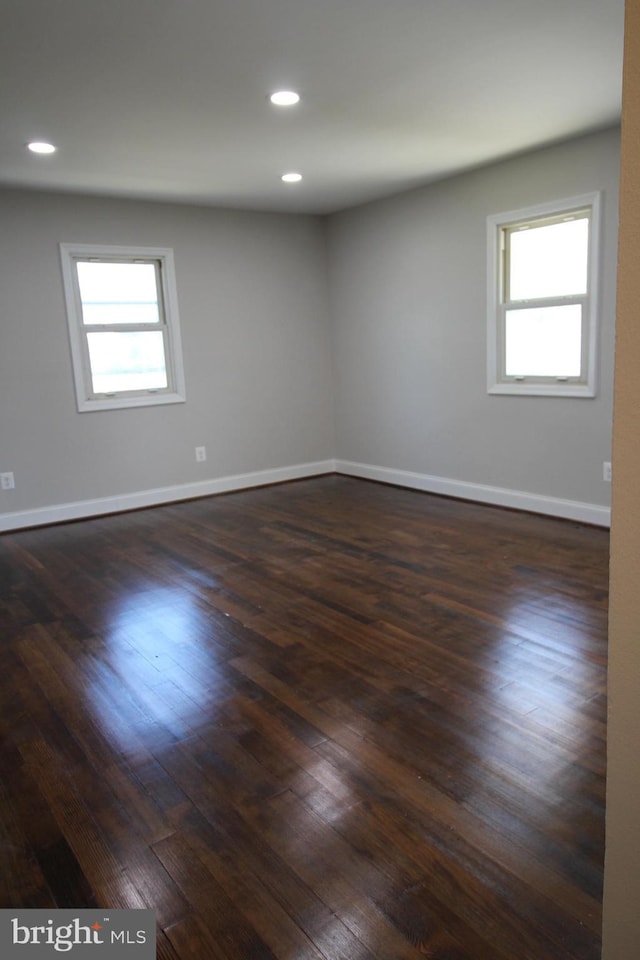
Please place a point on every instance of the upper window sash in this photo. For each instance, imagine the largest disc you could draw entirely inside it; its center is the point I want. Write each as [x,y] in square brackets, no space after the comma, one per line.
[120,324]
[506,235]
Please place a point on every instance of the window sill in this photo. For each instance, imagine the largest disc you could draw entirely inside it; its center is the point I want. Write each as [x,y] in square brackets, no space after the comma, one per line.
[520,388]
[120,403]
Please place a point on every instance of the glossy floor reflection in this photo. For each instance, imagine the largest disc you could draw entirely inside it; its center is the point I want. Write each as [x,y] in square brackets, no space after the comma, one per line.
[330,719]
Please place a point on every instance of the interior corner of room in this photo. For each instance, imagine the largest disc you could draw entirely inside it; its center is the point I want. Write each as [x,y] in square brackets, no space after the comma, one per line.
[354,341]
[346,338]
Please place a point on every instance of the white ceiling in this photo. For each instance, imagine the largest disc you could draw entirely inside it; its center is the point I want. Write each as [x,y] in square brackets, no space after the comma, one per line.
[168,98]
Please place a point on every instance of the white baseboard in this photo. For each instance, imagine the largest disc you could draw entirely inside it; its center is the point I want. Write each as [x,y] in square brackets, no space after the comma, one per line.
[150,498]
[499,496]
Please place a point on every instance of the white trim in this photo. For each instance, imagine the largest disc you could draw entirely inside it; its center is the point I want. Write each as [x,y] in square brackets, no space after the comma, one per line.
[499,496]
[80,362]
[82,509]
[541,390]
[494,298]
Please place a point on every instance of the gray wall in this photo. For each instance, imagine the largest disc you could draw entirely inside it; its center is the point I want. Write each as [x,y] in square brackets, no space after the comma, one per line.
[408,293]
[403,316]
[253,307]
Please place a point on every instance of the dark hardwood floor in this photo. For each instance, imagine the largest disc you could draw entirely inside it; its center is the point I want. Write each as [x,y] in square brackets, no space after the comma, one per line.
[330,719]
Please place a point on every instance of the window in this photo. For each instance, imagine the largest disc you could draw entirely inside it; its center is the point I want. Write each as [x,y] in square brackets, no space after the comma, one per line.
[122,310]
[542,299]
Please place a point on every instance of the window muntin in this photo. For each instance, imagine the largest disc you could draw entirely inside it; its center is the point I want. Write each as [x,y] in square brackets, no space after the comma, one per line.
[542,299]
[123,326]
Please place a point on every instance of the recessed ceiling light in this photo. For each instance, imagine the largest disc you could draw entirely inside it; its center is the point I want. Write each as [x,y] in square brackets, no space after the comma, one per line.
[291,177]
[284,98]
[38,146]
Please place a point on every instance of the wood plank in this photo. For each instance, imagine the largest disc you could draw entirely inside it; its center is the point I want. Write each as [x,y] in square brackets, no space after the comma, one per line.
[333,720]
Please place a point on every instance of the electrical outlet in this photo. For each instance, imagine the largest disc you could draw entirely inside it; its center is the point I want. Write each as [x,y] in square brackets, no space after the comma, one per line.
[7,482]
[606,471]
[201,454]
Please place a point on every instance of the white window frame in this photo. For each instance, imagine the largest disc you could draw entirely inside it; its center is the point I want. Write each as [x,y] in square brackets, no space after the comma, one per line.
[497,381]
[162,257]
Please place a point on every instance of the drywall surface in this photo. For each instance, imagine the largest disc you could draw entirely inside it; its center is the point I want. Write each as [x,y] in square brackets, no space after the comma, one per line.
[408,294]
[405,391]
[621,926]
[255,334]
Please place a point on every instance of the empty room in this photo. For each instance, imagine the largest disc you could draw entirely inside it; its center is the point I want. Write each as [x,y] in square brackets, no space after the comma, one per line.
[318,456]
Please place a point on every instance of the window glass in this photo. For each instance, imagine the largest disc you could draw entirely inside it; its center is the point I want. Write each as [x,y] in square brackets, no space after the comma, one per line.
[127,361]
[118,292]
[544,341]
[548,261]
